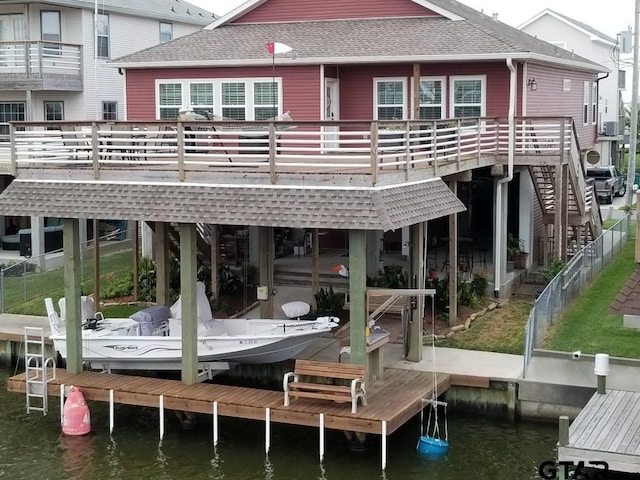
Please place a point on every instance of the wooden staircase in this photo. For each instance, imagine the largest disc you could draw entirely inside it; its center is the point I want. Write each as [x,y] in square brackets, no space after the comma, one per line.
[584,220]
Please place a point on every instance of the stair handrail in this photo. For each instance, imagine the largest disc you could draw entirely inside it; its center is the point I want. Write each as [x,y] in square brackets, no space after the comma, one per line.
[577,176]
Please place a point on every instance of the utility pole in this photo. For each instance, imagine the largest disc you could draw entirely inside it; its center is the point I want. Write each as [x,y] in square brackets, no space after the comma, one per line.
[633,140]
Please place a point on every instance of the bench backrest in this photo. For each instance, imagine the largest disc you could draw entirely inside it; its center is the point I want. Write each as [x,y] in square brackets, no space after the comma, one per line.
[313,368]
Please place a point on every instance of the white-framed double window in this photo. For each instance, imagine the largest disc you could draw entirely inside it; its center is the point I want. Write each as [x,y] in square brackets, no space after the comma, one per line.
[103,35]
[237,99]
[166,32]
[432,98]
[468,96]
[390,98]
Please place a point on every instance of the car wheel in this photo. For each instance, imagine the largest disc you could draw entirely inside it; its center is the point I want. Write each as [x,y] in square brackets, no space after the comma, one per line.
[622,191]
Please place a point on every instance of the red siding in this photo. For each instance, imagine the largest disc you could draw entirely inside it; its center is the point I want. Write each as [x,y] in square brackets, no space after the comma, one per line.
[301,87]
[356,85]
[297,10]
[549,99]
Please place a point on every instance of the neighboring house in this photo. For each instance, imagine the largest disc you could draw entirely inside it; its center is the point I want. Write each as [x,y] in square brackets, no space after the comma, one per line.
[389,100]
[50,69]
[582,39]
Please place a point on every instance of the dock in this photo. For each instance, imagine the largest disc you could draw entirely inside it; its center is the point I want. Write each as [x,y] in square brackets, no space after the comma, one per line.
[606,430]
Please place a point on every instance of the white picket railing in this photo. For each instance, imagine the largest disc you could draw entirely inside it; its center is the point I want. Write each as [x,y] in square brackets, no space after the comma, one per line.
[35,58]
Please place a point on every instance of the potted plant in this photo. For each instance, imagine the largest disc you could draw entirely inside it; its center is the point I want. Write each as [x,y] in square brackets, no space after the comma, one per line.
[516,252]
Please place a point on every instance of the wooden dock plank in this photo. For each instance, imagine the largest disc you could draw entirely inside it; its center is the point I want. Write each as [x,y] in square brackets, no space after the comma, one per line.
[596,422]
[395,400]
[618,421]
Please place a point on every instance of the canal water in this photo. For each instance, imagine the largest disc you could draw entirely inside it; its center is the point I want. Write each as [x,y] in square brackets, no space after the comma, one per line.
[33,447]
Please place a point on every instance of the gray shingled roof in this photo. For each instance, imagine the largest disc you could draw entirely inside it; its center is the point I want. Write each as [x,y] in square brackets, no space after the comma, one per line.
[170,10]
[375,208]
[356,41]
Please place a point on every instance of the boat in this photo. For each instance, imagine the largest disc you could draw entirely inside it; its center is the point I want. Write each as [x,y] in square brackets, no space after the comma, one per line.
[152,338]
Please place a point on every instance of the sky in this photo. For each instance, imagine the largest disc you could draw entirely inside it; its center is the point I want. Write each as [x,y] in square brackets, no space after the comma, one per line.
[611,19]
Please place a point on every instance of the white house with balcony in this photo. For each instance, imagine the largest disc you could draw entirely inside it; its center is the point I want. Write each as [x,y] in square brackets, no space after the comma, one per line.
[584,40]
[54,57]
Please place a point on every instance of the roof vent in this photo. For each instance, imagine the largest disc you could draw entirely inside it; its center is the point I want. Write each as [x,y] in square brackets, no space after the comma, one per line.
[495,16]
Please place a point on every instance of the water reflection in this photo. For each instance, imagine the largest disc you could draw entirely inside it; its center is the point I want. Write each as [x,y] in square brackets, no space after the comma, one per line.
[78,454]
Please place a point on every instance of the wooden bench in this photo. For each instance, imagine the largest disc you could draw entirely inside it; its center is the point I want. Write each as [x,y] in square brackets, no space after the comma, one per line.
[315,384]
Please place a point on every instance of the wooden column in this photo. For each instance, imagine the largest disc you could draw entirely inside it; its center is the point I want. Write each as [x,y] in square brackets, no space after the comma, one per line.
[214,241]
[357,286]
[416,91]
[189,308]
[96,264]
[557,220]
[315,258]
[416,233]
[265,234]
[162,263]
[72,293]
[565,211]
[135,240]
[453,261]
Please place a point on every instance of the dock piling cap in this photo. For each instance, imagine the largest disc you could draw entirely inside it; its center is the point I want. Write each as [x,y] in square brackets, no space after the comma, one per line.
[601,367]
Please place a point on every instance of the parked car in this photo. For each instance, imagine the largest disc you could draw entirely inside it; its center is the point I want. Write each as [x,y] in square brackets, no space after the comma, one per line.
[609,182]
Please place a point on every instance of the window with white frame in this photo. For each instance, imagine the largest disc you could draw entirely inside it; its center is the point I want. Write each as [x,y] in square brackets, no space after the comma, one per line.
[169,100]
[238,99]
[432,95]
[390,99]
[10,112]
[594,103]
[50,26]
[166,32]
[585,103]
[468,97]
[201,98]
[103,36]
[110,110]
[234,100]
[265,100]
[53,111]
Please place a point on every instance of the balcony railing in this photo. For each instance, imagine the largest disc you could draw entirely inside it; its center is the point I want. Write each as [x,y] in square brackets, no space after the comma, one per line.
[38,59]
[272,148]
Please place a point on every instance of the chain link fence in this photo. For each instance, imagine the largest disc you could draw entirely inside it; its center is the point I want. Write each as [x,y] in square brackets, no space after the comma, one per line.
[572,281]
[25,284]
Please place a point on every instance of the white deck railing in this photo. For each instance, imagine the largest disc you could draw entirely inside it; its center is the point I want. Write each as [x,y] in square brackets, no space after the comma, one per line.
[368,148]
[37,58]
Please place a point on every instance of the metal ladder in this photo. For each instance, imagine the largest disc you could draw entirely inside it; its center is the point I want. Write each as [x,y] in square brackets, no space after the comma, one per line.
[36,370]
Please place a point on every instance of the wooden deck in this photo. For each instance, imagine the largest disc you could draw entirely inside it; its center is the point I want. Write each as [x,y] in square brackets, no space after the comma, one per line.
[607,429]
[395,400]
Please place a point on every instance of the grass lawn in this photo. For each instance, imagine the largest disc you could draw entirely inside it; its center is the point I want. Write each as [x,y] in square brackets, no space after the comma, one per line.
[587,326]
[500,330]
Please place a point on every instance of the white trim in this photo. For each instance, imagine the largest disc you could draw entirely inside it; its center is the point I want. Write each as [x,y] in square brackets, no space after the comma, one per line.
[483,93]
[359,60]
[376,81]
[525,75]
[594,103]
[246,7]
[217,107]
[586,105]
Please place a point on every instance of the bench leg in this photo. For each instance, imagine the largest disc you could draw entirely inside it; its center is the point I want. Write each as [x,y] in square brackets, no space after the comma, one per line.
[354,404]
[286,398]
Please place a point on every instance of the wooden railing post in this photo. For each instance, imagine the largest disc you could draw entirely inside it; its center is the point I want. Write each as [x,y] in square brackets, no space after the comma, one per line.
[180,140]
[407,140]
[374,152]
[273,148]
[459,146]
[12,143]
[95,151]
[434,147]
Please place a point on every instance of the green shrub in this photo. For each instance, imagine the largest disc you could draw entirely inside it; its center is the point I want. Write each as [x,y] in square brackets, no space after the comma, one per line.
[551,270]
[117,285]
[392,277]
[328,302]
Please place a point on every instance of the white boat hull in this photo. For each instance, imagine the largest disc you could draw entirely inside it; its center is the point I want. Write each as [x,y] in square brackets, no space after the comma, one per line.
[236,340]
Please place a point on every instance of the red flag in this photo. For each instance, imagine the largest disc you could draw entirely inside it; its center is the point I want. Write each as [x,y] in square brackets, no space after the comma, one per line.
[271,48]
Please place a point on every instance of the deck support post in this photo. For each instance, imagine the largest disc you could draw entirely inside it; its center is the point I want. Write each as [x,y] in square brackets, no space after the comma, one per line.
[558,254]
[161,249]
[214,242]
[267,254]
[357,287]
[96,265]
[453,261]
[321,437]
[315,261]
[563,431]
[61,402]
[416,279]
[189,312]
[72,293]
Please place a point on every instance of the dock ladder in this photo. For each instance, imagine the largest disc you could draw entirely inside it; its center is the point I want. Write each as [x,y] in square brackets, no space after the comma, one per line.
[37,370]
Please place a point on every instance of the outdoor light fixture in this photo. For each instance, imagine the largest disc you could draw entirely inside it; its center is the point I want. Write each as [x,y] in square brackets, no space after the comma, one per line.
[531,83]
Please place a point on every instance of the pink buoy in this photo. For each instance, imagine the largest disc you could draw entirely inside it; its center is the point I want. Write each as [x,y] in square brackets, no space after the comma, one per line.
[76,419]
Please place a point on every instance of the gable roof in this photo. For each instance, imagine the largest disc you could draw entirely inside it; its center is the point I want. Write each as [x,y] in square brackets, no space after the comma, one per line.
[583,27]
[171,10]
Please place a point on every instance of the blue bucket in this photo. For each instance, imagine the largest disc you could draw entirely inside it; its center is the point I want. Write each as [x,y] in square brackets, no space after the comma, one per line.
[432,447]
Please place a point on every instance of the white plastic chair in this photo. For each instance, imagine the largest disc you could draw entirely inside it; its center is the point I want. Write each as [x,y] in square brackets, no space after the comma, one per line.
[56,324]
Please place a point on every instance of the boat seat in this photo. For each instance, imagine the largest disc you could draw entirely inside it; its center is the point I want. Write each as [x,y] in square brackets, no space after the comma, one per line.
[55,323]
